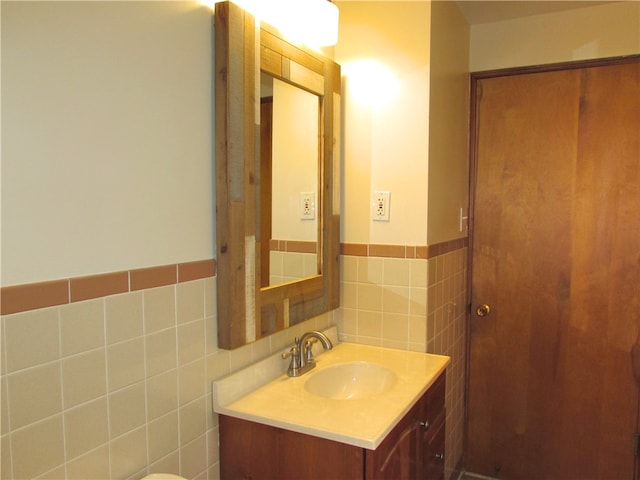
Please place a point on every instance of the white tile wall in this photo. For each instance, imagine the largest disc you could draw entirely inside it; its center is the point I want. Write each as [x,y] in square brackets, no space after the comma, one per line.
[119,387]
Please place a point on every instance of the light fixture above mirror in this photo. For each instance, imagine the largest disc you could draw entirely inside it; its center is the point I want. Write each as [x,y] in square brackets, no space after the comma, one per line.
[313,23]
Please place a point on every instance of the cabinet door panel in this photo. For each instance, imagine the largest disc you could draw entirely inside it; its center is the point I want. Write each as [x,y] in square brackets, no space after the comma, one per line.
[434,402]
[397,457]
[433,443]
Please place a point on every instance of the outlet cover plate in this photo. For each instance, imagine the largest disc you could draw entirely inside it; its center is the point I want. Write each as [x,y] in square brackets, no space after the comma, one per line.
[380,205]
[307,205]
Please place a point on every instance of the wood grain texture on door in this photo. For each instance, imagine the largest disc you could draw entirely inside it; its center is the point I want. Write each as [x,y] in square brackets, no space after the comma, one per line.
[556,238]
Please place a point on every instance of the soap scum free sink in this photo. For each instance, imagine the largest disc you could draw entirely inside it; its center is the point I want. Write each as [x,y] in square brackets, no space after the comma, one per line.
[353,380]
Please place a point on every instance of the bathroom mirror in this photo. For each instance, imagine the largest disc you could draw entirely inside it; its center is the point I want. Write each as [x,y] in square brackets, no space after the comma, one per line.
[250,307]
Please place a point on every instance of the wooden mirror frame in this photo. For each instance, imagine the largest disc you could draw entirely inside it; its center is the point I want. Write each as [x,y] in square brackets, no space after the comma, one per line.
[245,311]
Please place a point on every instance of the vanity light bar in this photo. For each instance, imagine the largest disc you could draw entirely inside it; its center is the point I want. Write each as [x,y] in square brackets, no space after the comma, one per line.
[311,22]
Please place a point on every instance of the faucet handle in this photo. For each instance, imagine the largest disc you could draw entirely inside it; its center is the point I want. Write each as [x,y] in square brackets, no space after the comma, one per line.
[294,353]
[308,350]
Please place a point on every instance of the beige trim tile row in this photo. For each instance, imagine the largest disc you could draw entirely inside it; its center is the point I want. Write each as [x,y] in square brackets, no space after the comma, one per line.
[297,246]
[33,296]
[403,251]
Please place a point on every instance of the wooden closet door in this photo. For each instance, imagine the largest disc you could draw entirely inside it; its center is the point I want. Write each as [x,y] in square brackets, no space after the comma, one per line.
[556,256]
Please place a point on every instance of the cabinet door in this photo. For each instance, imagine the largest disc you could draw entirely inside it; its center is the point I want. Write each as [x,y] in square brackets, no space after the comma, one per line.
[397,457]
[434,404]
[433,443]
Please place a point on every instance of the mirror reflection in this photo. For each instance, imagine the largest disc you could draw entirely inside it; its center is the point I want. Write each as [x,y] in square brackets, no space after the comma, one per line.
[289,179]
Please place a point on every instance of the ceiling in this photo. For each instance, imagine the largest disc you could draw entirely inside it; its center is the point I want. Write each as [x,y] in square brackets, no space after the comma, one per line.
[481,11]
[488,11]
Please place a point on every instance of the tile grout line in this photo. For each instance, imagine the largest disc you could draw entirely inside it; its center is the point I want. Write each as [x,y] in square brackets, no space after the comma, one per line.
[62,402]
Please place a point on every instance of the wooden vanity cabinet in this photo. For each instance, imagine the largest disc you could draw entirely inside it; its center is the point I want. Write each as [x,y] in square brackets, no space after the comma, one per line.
[250,450]
[414,449]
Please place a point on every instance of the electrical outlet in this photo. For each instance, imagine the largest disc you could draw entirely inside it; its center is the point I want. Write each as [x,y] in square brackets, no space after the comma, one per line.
[307,205]
[380,206]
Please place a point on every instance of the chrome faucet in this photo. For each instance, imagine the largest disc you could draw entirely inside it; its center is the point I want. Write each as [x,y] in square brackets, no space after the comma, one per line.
[301,353]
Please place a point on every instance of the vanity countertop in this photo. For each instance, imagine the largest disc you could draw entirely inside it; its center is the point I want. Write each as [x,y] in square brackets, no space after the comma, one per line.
[285,403]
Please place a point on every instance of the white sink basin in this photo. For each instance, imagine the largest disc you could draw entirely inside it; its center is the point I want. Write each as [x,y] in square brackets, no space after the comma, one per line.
[352,380]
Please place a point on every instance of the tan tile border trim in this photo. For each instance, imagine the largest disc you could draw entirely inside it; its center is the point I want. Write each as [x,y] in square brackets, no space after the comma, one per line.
[297,246]
[403,251]
[32,296]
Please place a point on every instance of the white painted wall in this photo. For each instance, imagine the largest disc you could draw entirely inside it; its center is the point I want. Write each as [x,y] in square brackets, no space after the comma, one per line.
[386,118]
[449,125]
[599,31]
[107,137]
[107,126]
